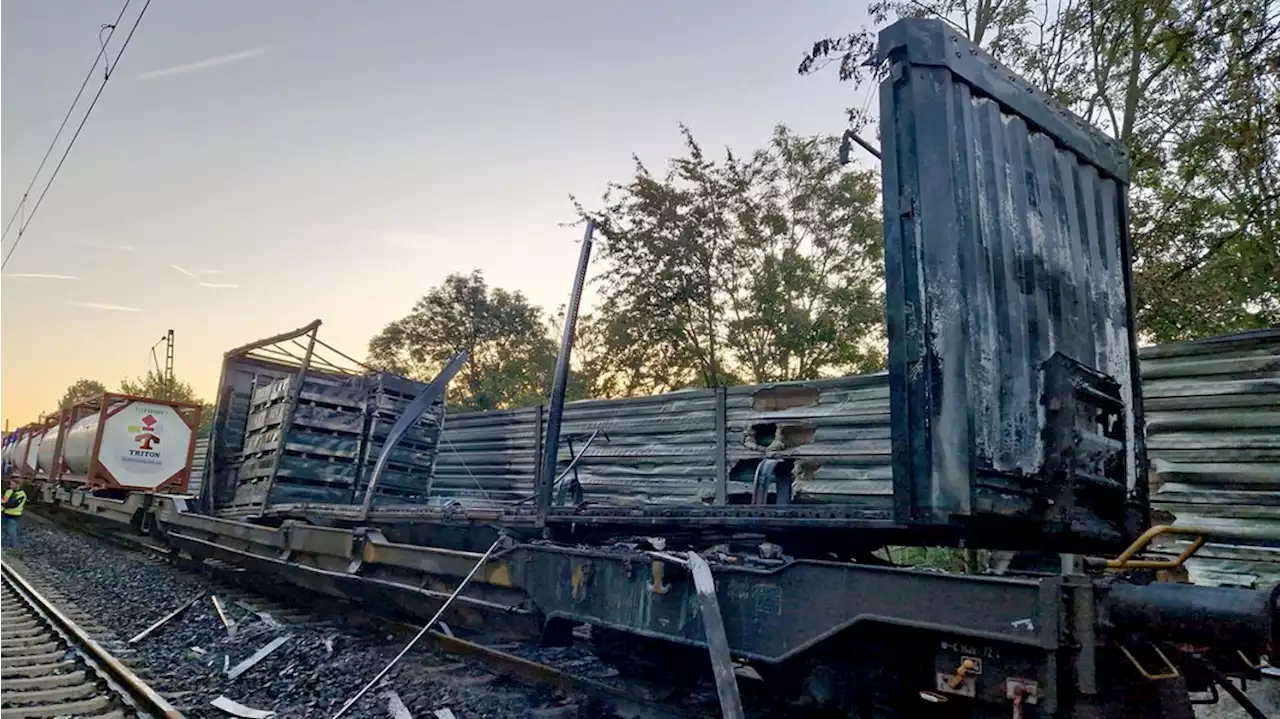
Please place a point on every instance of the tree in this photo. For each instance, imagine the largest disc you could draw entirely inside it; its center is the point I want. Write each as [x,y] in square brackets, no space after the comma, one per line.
[80,391]
[745,269]
[1190,88]
[512,356]
[155,386]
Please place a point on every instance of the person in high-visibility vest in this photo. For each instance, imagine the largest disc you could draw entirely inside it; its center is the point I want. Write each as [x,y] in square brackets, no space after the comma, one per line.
[15,500]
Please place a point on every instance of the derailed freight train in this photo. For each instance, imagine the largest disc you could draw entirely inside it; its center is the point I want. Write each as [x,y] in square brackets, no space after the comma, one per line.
[1011,418]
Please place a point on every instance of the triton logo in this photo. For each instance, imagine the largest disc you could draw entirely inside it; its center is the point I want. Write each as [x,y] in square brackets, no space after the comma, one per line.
[146,439]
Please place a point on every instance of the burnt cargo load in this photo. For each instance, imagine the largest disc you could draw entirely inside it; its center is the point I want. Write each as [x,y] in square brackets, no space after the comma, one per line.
[1013,397]
[307,429]
[819,442]
[1213,431]
[1211,413]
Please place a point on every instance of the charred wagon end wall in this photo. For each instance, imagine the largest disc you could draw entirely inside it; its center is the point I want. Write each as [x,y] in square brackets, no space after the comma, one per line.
[1007,259]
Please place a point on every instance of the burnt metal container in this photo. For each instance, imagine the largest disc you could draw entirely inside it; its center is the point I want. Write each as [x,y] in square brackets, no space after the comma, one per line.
[1013,374]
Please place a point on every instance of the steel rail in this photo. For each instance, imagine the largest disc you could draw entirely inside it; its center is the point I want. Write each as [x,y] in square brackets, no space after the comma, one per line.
[138,692]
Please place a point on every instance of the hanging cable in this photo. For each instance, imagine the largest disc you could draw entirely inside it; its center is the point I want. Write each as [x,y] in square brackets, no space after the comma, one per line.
[111,64]
[102,42]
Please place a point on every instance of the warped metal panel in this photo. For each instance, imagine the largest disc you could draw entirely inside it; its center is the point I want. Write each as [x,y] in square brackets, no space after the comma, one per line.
[1008,287]
[1213,432]
[666,449]
[196,480]
[488,456]
[834,432]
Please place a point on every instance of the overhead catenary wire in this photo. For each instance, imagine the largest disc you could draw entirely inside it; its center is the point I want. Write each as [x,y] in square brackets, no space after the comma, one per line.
[102,51]
[26,222]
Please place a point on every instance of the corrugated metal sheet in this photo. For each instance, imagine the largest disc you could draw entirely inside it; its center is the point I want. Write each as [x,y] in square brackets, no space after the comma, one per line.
[1213,433]
[667,449]
[196,479]
[1006,242]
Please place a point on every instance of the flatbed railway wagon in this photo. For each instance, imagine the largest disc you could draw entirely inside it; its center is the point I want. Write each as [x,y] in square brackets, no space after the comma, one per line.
[1015,422]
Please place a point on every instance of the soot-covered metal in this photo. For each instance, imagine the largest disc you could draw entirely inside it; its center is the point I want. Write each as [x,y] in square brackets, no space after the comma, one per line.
[1013,376]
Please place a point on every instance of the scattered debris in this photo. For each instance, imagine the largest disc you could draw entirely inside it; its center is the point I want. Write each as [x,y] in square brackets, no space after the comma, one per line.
[235,708]
[425,628]
[328,644]
[444,629]
[164,620]
[396,707]
[263,615]
[444,714]
[258,656]
[227,622]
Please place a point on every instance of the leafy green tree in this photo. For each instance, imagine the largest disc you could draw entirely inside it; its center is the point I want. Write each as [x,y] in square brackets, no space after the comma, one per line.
[80,391]
[747,268]
[155,386]
[512,355]
[1190,88]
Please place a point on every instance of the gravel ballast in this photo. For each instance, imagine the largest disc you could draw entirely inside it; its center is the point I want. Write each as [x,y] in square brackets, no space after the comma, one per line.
[326,660]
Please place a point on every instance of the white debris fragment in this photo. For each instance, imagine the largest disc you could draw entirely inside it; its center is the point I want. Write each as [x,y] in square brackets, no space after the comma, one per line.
[235,708]
[444,714]
[258,656]
[396,707]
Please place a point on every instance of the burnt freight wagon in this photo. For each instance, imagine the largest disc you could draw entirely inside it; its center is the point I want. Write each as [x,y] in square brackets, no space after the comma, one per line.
[702,530]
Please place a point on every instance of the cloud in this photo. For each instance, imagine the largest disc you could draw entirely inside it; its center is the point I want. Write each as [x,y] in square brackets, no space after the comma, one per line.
[38,276]
[201,65]
[209,272]
[219,285]
[105,307]
[184,271]
[109,246]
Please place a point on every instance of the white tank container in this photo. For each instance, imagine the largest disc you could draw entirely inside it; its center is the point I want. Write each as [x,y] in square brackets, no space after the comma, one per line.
[77,448]
[28,450]
[21,450]
[44,455]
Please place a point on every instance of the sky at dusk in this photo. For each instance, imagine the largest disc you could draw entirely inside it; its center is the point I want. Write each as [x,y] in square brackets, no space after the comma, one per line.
[253,166]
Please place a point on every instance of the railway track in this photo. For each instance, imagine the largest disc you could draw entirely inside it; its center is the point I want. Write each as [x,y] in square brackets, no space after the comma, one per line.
[52,667]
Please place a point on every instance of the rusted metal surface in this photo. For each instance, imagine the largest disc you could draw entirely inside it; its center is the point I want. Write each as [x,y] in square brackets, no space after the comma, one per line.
[1006,243]
[1213,427]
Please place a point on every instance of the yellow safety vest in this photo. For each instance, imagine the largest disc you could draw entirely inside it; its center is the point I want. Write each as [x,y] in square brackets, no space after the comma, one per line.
[15,511]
